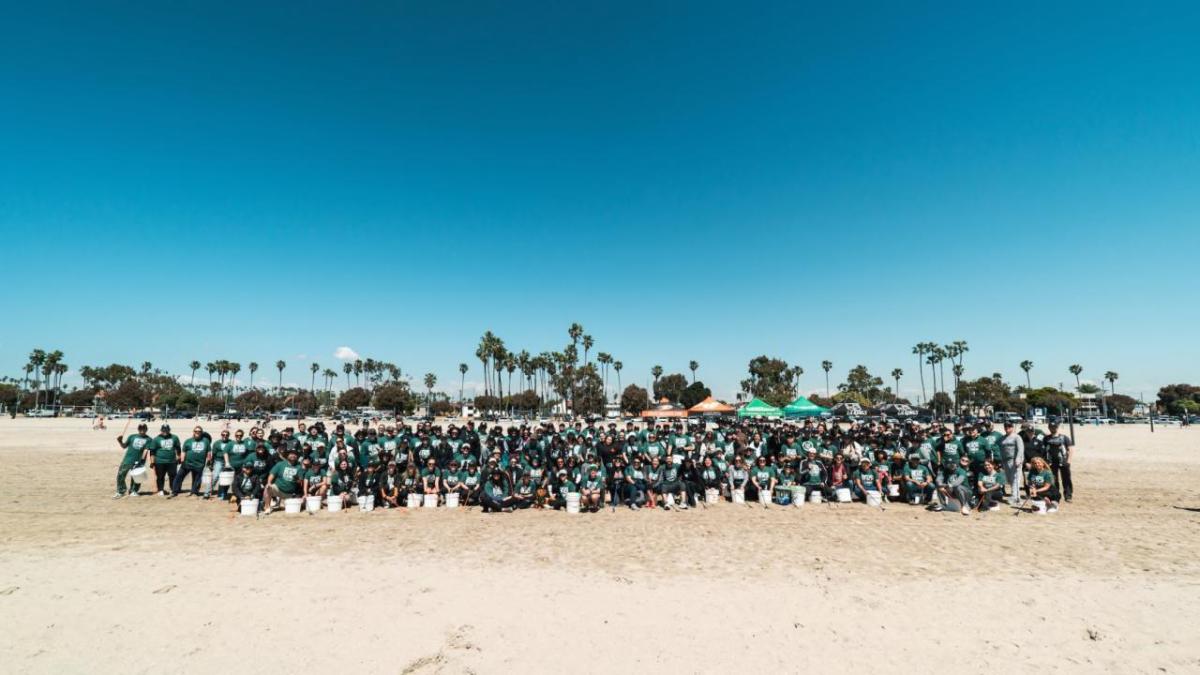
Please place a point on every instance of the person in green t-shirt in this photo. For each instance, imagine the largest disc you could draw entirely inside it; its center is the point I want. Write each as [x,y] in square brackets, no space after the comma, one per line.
[990,485]
[917,479]
[496,495]
[1039,483]
[219,461]
[283,481]
[314,478]
[136,449]
[592,490]
[955,488]
[164,451]
[866,479]
[196,453]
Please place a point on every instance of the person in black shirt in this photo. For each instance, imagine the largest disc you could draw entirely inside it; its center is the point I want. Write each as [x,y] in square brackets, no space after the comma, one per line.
[1059,451]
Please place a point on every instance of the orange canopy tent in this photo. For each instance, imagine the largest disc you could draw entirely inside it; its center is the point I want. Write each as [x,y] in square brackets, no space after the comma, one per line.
[710,406]
[665,409]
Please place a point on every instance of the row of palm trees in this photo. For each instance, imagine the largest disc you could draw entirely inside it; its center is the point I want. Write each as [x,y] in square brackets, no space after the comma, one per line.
[375,372]
[46,368]
[540,373]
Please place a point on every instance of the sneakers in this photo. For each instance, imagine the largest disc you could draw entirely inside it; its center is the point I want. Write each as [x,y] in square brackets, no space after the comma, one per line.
[966,510]
[133,493]
[1053,508]
[117,495]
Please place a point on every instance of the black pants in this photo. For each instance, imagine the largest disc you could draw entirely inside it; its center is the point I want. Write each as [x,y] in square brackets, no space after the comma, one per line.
[490,503]
[1062,476]
[164,470]
[694,492]
[991,498]
[177,483]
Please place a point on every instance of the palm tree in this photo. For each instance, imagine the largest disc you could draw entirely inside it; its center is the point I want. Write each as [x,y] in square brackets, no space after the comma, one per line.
[280,365]
[313,386]
[919,350]
[826,366]
[253,368]
[347,368]
[194,365]
[588,342]
[211,368]
[147,367]
[896,375]
[575,332]
[327,376]
[1112,381]
[693,366]
[1027,366]
[358,369]
[657,372]
[510,364]
[958,371]
[430,380]
[37,358]
[1076,369]
[617,366]
[462,382]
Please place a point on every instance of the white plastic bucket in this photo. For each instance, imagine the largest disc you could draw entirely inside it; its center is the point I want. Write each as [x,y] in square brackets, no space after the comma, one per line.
[764,497]
[333,503]
[1039,506]
[206,480]
[843,495]
[573,502]
[814,497]
[739,496]
[225,479]
[712,496]
[915,498]
[894,490]
[431,501]
[249,507]
[797,495]
[312,504]
[669,498]
[413,501]
[452,500]
[292,505]
[137,474]
[366,503]
[874,498]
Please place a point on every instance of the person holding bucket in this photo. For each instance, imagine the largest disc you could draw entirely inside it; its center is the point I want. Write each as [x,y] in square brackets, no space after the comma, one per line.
[136,451]
[246,486]
[1039,484]
[220,460]
[283,482]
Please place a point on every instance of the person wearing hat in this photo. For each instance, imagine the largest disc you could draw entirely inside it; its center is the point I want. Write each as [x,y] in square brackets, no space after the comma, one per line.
[866,479]
[246,485]
[164,453]
[563,484]
[283,481]
[813,475]
[956,487]
[496,495]
[136,449]
[389,486]
[1060,450]
[1011,451]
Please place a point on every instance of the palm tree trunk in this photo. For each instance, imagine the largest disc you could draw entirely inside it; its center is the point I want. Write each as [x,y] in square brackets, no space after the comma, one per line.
[921,372]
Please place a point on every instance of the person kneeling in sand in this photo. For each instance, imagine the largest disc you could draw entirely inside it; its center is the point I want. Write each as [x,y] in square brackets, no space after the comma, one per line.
[1039,483]
[247,485]
[389,487]
[496,493]
[592,491]
[283,481]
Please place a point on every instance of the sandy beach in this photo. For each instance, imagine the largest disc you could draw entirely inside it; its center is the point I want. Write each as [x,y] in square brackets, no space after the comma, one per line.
[88,584]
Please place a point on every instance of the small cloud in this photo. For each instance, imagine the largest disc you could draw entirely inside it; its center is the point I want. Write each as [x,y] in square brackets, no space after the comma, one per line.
[345,354]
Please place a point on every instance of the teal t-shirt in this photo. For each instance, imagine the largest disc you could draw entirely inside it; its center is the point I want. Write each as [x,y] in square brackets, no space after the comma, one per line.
[287,477]
[195,453]
[135,445]
[165,449]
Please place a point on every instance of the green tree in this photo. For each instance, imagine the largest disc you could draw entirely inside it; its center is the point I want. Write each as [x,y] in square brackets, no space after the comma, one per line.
[861,382]
[896,375]
[657,372]
[314,368]
[1076,369]
[693,394]
[617,366]
[462,382]
[771,380]
[1175,398]
[693,366]
[1112,380]
[1027,366]
[280,365]
[194,365]
[394,397]
[826,366]
[253,368]
[670,387]
[354,398]
[634,400]
[919,350]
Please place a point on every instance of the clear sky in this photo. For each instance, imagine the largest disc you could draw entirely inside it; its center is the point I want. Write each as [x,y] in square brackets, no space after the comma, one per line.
[255,181]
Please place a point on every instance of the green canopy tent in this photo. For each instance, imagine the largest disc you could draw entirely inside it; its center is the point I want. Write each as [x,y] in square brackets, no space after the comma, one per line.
[802,407]
[759,408]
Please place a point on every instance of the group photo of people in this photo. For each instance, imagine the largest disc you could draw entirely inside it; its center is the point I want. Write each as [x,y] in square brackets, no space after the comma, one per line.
[594,465]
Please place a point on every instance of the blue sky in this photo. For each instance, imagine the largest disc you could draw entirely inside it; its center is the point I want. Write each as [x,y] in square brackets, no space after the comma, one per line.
[687,180]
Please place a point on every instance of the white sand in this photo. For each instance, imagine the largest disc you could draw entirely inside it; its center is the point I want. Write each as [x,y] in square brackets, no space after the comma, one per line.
[87,584]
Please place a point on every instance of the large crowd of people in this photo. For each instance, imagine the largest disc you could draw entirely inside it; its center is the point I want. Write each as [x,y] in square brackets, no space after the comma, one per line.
[675,464]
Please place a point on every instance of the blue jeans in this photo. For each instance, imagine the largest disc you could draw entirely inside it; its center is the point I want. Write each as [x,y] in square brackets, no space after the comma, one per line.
[217,466]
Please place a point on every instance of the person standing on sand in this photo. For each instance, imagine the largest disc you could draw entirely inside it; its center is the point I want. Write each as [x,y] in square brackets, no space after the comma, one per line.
[136,447]
[1060,451]
[164,449]
[1012,457]
[196,454]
